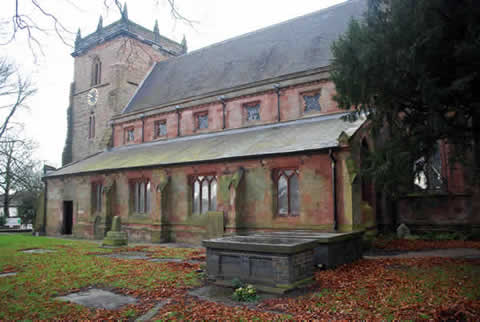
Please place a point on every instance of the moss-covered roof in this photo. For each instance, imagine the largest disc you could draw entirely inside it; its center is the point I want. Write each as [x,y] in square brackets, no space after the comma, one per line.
[296,136]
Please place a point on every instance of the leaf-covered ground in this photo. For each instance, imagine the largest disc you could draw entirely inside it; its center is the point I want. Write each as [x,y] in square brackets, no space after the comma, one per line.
[420,288]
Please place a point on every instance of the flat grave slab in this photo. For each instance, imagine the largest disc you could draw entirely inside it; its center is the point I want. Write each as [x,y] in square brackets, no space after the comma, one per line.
[38,251]
[7,274]
[127,255]
[99,299]
[175,260]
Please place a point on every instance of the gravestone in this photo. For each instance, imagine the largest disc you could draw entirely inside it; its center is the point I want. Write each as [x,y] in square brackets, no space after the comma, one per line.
[116,237]
[403,231]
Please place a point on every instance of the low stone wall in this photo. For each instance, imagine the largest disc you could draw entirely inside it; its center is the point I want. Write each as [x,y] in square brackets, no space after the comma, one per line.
[438,212]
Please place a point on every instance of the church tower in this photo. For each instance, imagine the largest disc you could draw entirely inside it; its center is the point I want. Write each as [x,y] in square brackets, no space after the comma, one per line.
[109,64]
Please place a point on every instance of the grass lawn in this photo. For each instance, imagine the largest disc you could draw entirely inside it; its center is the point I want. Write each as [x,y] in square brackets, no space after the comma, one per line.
[430,288]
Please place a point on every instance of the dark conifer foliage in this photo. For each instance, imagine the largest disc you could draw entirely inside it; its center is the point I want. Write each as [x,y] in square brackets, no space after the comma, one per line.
[414,67]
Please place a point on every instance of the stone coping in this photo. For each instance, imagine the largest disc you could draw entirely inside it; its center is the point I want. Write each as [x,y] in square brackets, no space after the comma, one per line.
[261,244]
[319,237]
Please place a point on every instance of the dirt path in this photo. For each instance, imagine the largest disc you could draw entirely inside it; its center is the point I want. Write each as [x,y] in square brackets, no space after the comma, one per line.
[471,253]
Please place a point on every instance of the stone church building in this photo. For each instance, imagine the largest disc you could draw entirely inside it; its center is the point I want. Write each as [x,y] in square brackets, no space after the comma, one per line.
[240,136]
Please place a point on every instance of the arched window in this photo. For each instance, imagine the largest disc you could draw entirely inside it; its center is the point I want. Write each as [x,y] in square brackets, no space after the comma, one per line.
[91,126]
[140,194]
[428,172]
[288,192]
[204,190]
[96,71]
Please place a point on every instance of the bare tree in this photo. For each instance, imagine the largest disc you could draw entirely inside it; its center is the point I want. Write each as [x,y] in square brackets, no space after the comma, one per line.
[14,93]
[18,169]
[26,14]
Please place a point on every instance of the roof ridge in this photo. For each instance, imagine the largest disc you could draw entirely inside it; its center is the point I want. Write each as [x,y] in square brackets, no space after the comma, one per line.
[261,30]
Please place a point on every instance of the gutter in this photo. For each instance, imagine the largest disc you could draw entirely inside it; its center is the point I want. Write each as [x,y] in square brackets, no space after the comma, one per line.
[334,189]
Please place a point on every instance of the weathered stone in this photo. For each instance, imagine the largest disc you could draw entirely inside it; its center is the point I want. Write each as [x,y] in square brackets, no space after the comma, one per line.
[271,264]
[403,231]
[99,299]
[116,237]
[332,250]
[116,225]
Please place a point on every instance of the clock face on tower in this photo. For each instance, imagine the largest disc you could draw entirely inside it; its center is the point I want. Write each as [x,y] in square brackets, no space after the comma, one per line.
[92,97]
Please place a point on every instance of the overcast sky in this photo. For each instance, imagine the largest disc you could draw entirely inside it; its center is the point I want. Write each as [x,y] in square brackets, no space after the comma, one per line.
[52,71]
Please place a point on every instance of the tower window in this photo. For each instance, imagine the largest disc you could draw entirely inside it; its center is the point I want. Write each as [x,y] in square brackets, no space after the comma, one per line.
[96,71]
[91,127]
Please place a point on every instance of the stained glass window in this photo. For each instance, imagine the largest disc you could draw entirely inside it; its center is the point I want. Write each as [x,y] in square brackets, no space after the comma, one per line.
[312,103]
[160,128]
[202,121]
[253,111]
[288,195]
[204,194]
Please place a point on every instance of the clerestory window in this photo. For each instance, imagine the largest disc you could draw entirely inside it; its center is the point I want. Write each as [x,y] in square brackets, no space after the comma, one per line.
[202,121]
[252,111]
[288,195]
[129,134]
[204,191]
[312,102]
[160,128]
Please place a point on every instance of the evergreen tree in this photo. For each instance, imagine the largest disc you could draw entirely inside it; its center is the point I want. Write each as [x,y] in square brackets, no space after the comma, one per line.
[413,67]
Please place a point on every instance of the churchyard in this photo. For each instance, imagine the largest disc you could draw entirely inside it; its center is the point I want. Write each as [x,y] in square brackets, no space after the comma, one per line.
[42,278]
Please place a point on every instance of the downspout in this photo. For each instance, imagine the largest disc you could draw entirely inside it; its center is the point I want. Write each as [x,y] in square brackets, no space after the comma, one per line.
[222,99]
[277,90]
[142,117]
[334,189]
[113,134]
[177,109]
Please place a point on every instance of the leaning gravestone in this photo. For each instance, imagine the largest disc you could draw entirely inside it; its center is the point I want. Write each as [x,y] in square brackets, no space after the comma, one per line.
[116,237]
[403,231]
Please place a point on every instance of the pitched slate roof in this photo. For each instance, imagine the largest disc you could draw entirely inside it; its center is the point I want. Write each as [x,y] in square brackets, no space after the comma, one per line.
[295,136]
[297,45]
